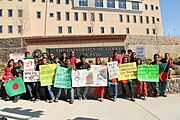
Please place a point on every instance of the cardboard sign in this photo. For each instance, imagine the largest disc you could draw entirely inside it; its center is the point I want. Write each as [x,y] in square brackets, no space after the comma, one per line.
[140,52]
[17,56]
[113,70]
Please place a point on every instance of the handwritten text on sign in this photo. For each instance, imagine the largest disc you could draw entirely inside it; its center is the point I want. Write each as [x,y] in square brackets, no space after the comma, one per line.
[128,71]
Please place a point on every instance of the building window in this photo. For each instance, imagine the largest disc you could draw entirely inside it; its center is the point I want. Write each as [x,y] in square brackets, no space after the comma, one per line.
[60,29]
[135,5]
[58,1]
[127,18]
[89,30]
[147,19]
[146,7]
[10,13]
[98,3]
[38,15]
[152,7]
[51,15]
[43,1]
[158,19]
[102,29]
[76,16]
[19,0]
[127,31]
[67,16]
[20,29]
[1,29]
[69,29]
[58,15]
[134,18]
[141,19]
[157,8]
[121,18]
[154,31]
[111,3]
[83,3]
[100,17]
[51,1]
[122,4]
[10,29]
[92,17]
[112,29]
[20,13]
[153,20]
[33,0]
[84,17]
[1,12]
[147,31]
[67,2]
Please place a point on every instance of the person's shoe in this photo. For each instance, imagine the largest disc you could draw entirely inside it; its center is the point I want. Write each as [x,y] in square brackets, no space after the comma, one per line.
[80,98]
[32,99]
[139,96]
[71,101]
[107,97]
[85,98]
[15,101]
[95,98]
[164,95]
[101,99]
[56,100]
[132,99]
[145,98]
[36,100]
[114,99]
[51,101]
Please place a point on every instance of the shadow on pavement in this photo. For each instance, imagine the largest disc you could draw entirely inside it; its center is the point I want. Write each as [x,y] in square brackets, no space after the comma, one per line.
[27,113]
[83,118]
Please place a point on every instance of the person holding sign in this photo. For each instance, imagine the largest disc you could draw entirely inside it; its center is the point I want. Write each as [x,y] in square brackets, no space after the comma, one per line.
[163,83]
[154,85]
[99,89]
[82,65]
[7,76]
[141,85]
[112,83]
[129,82]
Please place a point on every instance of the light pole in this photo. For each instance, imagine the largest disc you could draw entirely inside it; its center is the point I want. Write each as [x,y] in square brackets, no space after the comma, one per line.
[174,32]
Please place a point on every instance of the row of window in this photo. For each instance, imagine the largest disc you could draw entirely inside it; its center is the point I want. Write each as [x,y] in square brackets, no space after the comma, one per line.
[10,12]
[51,1]
[10,29]
[92,17]
[151,6]
[69,28]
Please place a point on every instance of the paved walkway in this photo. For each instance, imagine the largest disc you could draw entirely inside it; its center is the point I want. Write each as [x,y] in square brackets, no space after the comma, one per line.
[152,109]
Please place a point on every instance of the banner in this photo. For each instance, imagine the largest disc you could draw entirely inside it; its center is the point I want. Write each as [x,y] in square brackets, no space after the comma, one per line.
[148,73]
[113,70]
[140,52]
[17,56]
[31,76]
[63,77]
[128,71]
[81,78]
[15,87]
[99,75]
[47,74]
[28,69]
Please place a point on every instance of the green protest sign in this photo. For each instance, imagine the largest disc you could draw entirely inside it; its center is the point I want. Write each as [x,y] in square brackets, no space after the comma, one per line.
[63,77]
[148,73]
[15,87]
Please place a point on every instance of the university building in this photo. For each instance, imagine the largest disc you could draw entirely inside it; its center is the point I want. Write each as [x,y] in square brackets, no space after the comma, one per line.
[78,23]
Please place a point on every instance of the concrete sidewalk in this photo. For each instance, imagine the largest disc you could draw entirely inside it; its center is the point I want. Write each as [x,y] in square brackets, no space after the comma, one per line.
[152,109]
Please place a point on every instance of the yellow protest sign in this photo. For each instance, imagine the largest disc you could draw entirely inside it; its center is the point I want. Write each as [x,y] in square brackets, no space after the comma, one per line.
[128,71]
[47,74]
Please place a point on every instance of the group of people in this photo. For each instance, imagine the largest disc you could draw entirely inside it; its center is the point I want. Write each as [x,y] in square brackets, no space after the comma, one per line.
[52,94]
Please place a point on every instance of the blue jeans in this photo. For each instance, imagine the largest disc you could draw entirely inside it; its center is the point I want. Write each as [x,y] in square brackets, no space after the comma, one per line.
[84,92]
[115,88]
[54,92]
[71,90]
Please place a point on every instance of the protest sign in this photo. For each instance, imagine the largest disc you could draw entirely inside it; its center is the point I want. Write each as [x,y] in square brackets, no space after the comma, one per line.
[17,56]
[128,71]
[47,74]
[113,70]
[63,77]
[31,76]
[140,52]
[15,87]
[99,75]
[148,73]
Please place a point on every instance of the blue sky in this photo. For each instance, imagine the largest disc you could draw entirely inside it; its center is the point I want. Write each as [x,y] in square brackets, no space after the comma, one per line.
[170,11]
